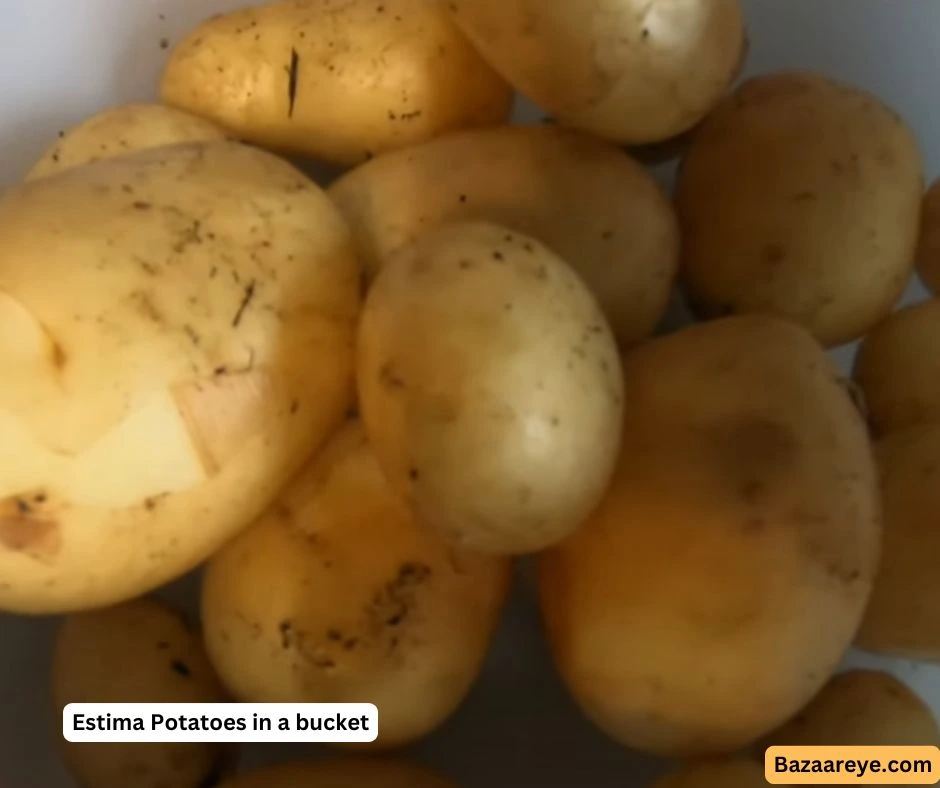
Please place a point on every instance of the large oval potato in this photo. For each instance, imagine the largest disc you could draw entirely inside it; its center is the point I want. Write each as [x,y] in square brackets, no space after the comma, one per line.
[720,582]
[719,773]
[121,130]
[861,708]
[176,339]
[633,71]
[898,368]
[490,387]
[337,81]
[928,251]
[587,200]
[341,774]
[800,197]
[138,652]
[903,618]
[337,596]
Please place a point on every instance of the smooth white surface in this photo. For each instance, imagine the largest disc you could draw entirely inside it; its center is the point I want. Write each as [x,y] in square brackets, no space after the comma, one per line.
[62,60]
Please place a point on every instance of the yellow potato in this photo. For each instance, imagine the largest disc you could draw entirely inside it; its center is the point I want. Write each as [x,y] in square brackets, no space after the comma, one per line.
[928,253]
[138,652]
[861,708]
[800,197]
[719,584]
[903,618]
[337,596]
[898,368]
[490,386]
[723,773]
[633,71]
[340,81]
[122,130]
[588,201]
[176,338]
[341,774]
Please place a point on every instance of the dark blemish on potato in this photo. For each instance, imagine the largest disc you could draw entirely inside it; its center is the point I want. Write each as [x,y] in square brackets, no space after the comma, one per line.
[555,421]
[40,498]
[335,635]
[127,188]
[392,115]
[462,198]
[396,619]
[465,265]
[56,156]
[411,115]
[294,407]
[59,357]
[414,474]
[350,644]
[246,302]
[293,73]
[150,504]
[390,378]
[380,9]
[607,235]
[213,272]
[191,333]
[837,167]
[498,256]
[180,668]
[507,307]
[142,206]
[773,253]
[192,235]
[645,34]
[286,629]
[541,273]
[369,155]
[393,644]
[164,43]
[219,371]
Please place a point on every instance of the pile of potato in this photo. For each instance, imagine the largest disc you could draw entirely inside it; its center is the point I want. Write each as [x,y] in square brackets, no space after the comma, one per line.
[356,406]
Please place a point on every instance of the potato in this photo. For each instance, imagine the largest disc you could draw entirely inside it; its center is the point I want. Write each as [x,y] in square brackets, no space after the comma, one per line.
[176,339]
[119,131]
[928,252]
[138,652]
[719,773]
[337,81]
[490,387]
[719,584]
[630,70]
[341,774]
[903,618]
[337,596]
[861,708]
[800,197]
[588,201]
[898,368]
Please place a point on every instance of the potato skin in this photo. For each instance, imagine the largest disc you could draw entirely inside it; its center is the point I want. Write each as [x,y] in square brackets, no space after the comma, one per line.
[341,774]
[800,197]
[903,617]
[359,604]
[861,708]
[119,131]
[631,71]
[489,384]
[928,251]
[193,305]
[340,82]
[898,368]
[719,584]
[719,773]
[587,200]
[138,652]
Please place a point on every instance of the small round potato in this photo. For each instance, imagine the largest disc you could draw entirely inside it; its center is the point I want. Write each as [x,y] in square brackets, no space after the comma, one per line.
[585,199]
[723,773]
[138,652]
[338,81]
[340,774]
[928,253]
[122,130]
[633,71]
[490,386]
[898,368]
[721,581]
[861,708]
[903,618]
[800,197]
[337,596]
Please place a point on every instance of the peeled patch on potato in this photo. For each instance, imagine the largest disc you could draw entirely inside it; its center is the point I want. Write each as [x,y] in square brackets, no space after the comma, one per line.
[898,369]
[719,584]
[341,774]
[800,198]
[340,82]
[181,328]
[719,773]
[120,131]
[903,618]
[490,387]
[338,596]
[861,708]
[138,652]
[585,199]
[633,71]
